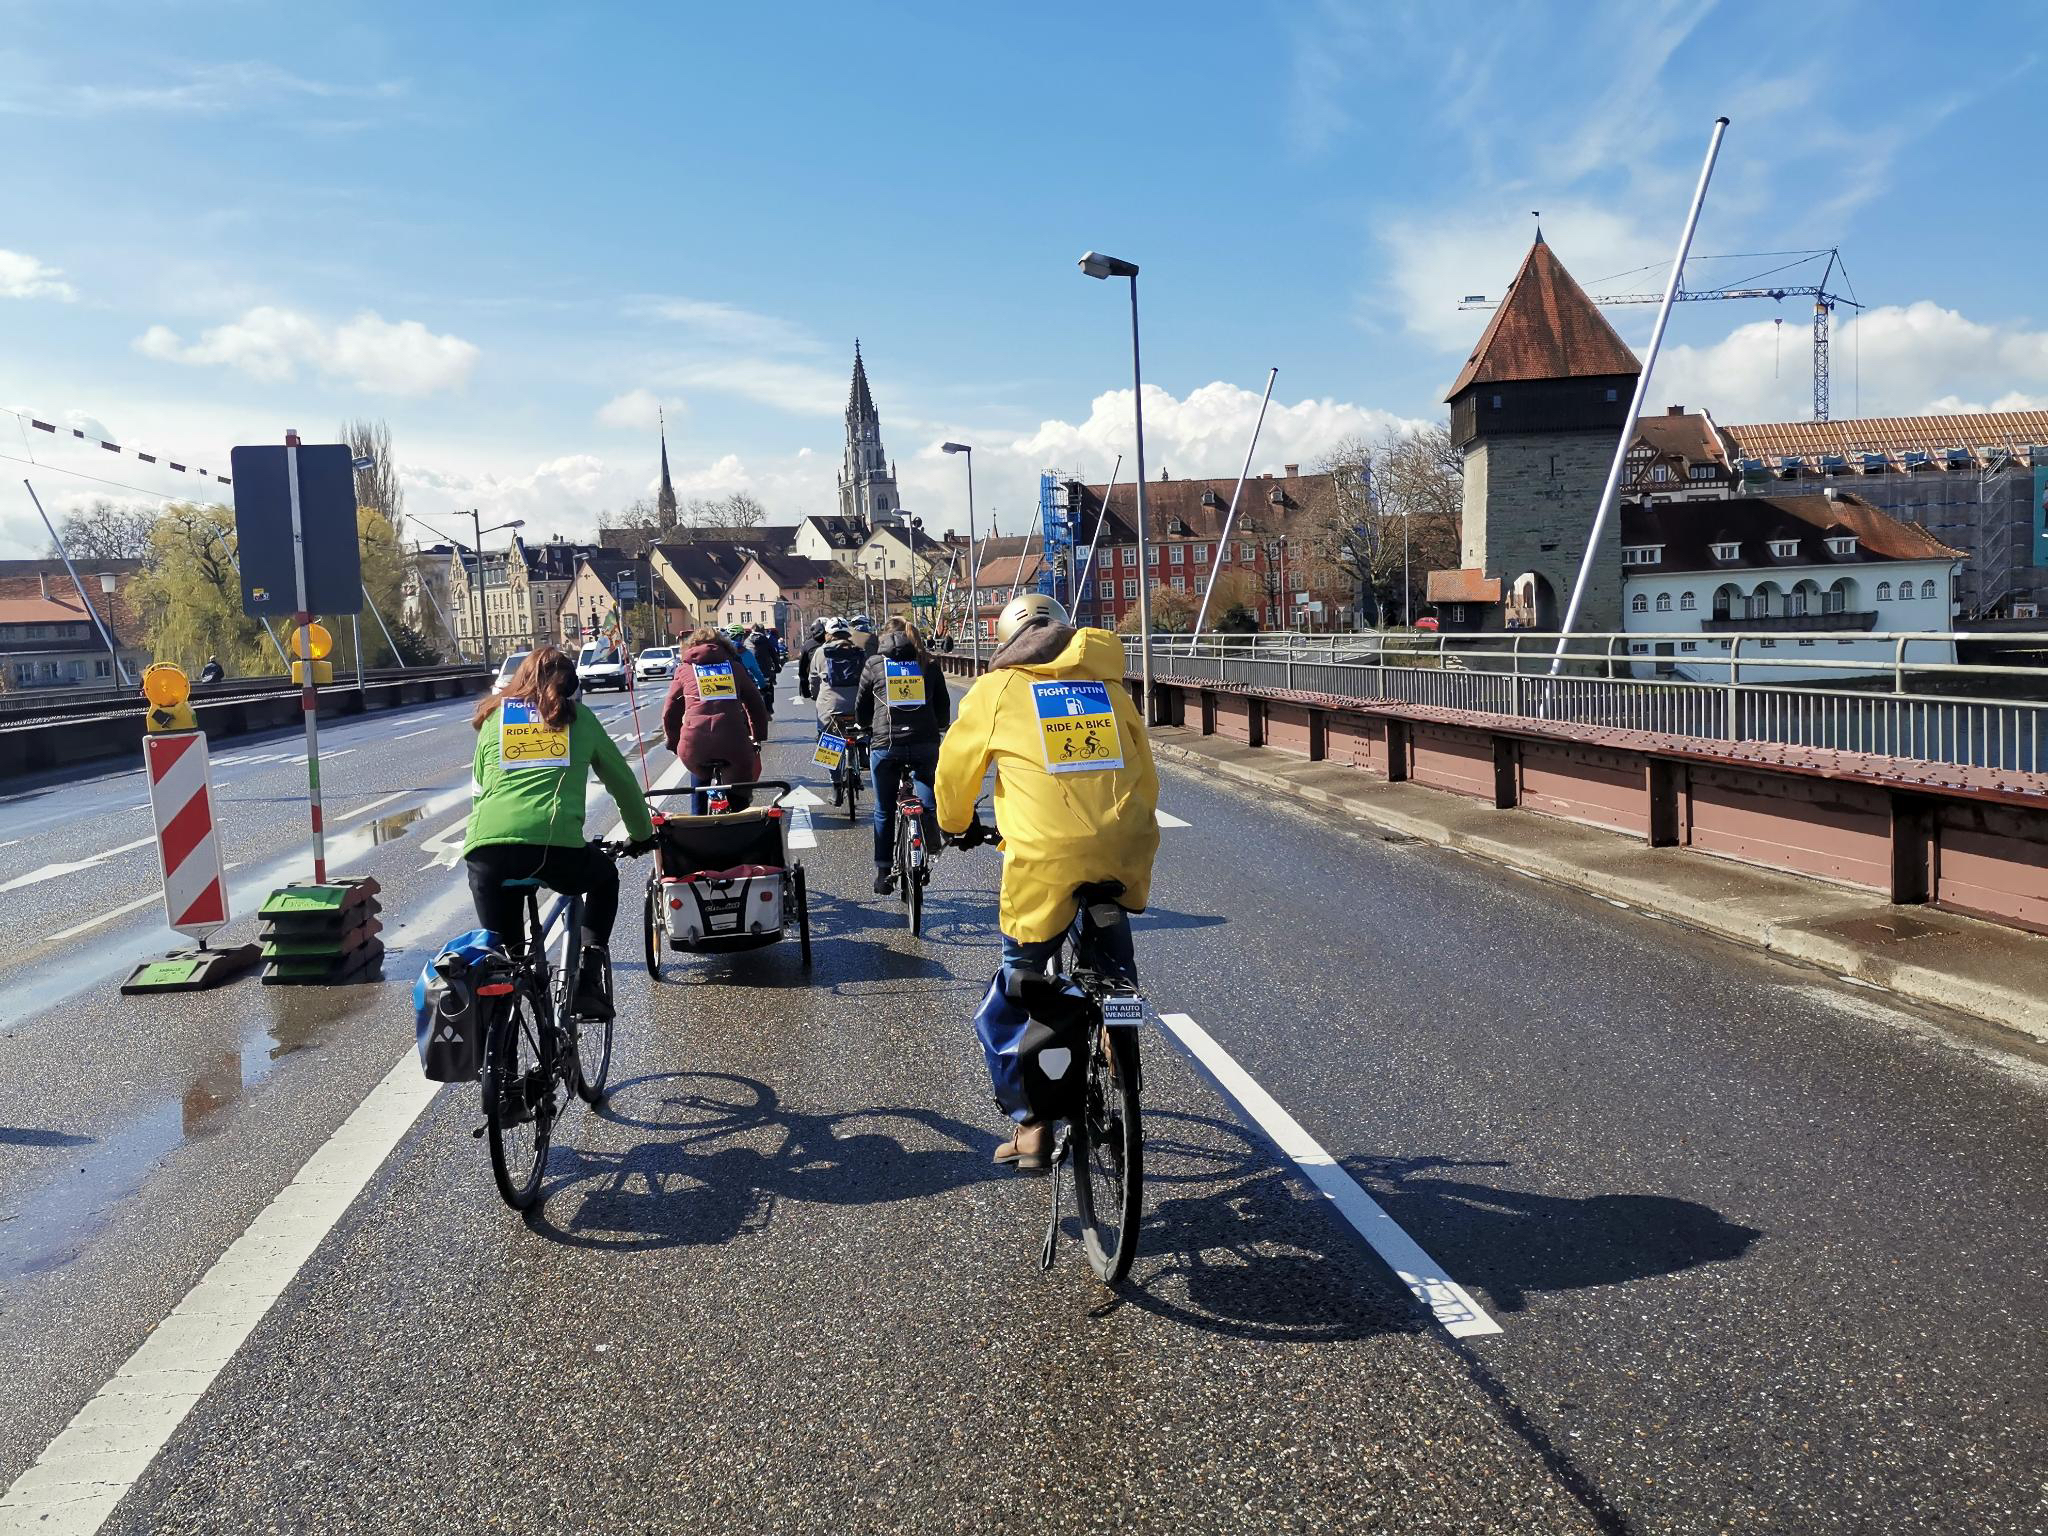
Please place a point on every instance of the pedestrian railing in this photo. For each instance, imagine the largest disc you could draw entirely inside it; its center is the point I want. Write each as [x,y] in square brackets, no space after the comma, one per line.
[1892,694]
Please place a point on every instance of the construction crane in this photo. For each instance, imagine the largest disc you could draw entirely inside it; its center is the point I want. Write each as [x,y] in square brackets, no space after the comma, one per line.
[1754,286]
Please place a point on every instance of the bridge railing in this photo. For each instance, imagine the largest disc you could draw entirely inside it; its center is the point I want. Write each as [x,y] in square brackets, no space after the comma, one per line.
[1890,694]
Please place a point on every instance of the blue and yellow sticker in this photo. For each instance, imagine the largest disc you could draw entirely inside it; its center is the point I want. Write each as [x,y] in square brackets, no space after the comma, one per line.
[906,684]
[1077,726]
[830,750]
[525,740]
[715,681]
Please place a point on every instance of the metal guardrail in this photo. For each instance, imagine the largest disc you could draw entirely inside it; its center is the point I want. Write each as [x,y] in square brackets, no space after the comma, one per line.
[1928,710]
[38,707]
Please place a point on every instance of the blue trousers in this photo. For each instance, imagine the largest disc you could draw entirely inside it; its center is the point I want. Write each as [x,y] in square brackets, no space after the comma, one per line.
[918,763]
[1108,950]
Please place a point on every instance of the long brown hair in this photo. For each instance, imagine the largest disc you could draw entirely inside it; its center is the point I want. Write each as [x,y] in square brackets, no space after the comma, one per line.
[898,626]
[547,678]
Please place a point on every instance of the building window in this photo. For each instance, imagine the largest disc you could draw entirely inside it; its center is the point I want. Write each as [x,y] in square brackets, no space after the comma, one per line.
[1884,591]
[1686,604]
[1663,602]
[1639,604]
[1643,554]
[1130,554]
[1842,546]
[1784,549]
[1688,646]
[1177,554]
[1768,645]
[1806,642]
[1661,474]
[1700,472]
[1180,583]
[1496,402]
[1244,551]
[1152,554]
[1457,613]
[1130,589]
[1640,649]
[1927,589]
[1201,584]
[1795,603]
[1108,590]
[1201,554]
[103,668]
[1727,551]
[1610,395]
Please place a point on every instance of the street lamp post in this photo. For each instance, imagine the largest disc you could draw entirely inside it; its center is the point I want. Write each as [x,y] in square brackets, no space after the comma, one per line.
[483,606]
[1099,266]
[973,571]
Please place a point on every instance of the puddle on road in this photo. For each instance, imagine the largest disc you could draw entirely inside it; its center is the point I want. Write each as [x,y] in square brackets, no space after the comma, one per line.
[385,828]
[47,1224]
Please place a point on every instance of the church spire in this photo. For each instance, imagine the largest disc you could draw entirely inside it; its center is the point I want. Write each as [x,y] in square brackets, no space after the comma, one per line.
[860,404]
[665,502]
[867,481]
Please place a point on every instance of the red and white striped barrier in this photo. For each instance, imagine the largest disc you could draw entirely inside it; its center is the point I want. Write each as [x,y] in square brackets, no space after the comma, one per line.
[181,796]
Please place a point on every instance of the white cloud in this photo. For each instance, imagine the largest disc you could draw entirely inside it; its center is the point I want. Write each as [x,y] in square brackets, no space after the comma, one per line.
[1434,262]
[799,388]
[24,277]
[369,352]
[1201,435]
[202,90]
[1905,360]
[638,410]
[732,324]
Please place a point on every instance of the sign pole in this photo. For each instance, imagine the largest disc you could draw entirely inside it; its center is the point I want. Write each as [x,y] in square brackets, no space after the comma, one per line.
[309,695]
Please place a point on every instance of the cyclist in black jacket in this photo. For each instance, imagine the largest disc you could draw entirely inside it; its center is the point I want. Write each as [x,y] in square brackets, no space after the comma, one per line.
[904,686]
[803,660]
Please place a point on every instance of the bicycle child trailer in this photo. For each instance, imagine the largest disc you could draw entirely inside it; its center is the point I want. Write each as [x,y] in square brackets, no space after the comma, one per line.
[448,1024]
[723,881]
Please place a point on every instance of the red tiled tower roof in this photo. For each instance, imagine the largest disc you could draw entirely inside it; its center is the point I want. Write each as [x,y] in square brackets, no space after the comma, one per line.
[1545,328]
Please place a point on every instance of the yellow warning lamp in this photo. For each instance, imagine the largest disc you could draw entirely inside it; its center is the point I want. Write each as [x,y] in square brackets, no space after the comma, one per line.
[315,639]
[167,690]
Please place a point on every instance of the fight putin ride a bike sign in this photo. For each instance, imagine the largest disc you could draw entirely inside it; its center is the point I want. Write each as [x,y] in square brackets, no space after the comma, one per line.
[1077,727]
[715,681]
[906,684]
[525,740]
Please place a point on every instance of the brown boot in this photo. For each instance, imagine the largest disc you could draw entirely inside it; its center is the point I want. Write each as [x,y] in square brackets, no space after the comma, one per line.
[1027,1148]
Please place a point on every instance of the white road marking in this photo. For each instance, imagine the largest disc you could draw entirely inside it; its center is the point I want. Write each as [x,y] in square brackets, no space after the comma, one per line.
[446,844]
[801,833]
[83,1473]
[423,731]
[10,842]
[1448,1302]
[121,911]
[800,796]
[1165,820]
[364,810]
[50,871]
[325,757]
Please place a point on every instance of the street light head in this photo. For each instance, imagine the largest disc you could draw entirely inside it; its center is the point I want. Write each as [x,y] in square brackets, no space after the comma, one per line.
[1098,265]
[955,448]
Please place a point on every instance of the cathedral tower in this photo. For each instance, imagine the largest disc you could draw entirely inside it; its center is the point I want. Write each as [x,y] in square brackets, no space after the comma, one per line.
[867,481]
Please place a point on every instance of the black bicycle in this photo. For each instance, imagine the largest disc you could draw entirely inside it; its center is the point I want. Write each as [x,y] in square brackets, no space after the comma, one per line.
[534,1041]
[853,761]
[1101,1132]
[916,847]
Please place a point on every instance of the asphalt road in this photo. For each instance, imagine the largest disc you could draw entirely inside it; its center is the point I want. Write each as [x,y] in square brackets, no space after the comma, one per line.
[1765,1251]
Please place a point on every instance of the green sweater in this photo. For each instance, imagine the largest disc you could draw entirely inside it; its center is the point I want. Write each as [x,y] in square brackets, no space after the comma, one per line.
[545,805]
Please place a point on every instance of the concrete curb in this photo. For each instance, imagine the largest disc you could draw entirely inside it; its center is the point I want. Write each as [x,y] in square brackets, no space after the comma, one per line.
[1781,914]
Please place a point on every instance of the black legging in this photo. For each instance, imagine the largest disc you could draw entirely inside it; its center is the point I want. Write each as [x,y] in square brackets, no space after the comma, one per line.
[582,868]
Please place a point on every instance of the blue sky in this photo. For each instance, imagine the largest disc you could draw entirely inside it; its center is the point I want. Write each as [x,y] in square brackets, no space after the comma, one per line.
[512,230]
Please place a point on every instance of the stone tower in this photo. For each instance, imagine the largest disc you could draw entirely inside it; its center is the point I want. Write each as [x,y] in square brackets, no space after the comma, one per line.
[867,481]
[665,500]
[1538,409]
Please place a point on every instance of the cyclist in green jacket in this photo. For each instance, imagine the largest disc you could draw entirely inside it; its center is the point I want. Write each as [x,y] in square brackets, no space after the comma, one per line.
[535,749]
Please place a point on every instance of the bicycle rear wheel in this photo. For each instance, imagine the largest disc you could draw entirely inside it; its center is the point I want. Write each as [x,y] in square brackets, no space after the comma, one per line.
[519,1101]
[1109,1156]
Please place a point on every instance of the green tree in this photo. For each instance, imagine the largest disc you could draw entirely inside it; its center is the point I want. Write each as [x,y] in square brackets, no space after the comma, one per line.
[190,596]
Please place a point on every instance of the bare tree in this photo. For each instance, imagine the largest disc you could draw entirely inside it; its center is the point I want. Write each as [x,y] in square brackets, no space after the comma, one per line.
[107,530]
[1393,515]
[376,487]
[742,510]
[632,527]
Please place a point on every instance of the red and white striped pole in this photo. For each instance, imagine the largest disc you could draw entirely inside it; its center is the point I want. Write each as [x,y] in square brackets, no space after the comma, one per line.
[195,900]
[302,642]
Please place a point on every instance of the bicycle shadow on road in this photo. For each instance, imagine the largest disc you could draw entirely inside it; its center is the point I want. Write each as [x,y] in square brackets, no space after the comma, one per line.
[1234,1244]
[721,1153]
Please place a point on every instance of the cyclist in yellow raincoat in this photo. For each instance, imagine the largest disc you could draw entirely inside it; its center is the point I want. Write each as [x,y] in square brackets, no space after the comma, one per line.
[1075,789]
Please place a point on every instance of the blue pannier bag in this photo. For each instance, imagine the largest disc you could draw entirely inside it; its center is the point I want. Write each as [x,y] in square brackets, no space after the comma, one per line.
[1032,1027]
[447,1023]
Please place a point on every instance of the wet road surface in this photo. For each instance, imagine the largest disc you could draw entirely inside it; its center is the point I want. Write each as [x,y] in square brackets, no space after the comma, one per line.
[1764,1250]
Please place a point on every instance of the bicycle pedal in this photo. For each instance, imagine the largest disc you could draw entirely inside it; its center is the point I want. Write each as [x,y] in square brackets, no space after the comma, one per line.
[478,1133]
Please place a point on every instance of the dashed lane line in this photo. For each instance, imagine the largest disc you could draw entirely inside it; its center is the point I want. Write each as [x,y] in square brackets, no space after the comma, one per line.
[423,731]
[121,911]
[364,810]
[1448,1302]
[51,871]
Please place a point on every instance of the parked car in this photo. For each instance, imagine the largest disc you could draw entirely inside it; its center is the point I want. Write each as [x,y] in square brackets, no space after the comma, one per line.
[655,661]
[601,665]
[507,667]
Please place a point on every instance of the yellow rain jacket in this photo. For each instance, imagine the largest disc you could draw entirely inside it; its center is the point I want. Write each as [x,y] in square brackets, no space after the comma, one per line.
[1060,829]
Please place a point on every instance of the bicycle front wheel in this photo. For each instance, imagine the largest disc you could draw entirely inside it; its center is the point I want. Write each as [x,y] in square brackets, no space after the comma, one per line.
[593,1057]
[520,1099]
[1109,1156]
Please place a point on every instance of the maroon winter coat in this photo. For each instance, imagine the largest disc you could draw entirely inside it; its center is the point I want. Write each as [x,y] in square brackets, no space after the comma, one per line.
[703,731]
